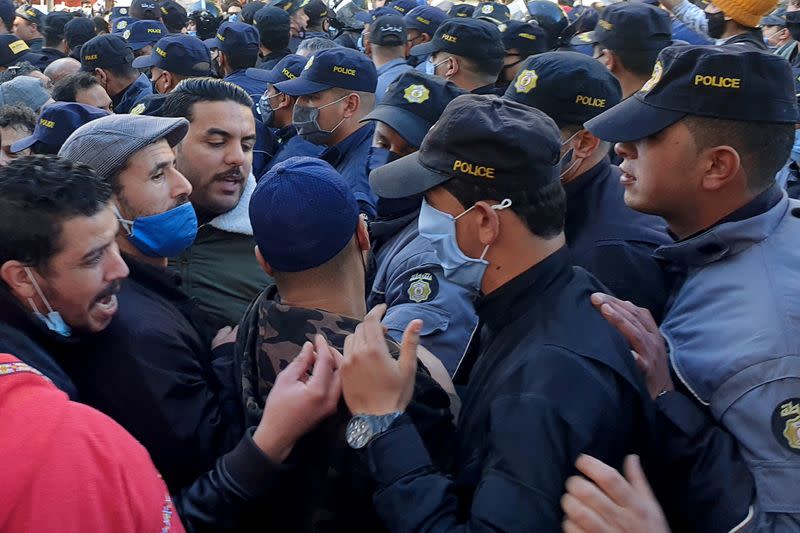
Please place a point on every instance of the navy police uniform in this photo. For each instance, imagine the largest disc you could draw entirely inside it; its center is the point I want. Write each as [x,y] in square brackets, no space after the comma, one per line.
[547,378]
[409,278]
[237,39]
[106,51]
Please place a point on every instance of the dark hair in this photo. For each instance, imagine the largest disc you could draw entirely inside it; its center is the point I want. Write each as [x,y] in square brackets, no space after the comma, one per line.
[23,68]
[638,62]
[488,68]
[37,195]
[17,116]
[274,36]
[242,59]
[179,102]
[100,25]
[763,147]
[542,209]
[66,89]
[123,71]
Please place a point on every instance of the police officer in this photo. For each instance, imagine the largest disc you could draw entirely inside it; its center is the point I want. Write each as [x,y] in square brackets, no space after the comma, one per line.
[421,24]
[335,90]
[627,41]
[237,44]
[494,12]
[174,59]
[318,24]
[409,279]
[55,47]
[702,143]
[275,109]
[468,52]
[57,122]
[143,34]
[387,37]
[110,59]
[520,40]
[297,19]
[273,26]
[13,50]
[546,377]
[607,238]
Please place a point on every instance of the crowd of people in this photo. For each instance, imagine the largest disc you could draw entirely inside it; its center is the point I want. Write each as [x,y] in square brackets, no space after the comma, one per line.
[301,266]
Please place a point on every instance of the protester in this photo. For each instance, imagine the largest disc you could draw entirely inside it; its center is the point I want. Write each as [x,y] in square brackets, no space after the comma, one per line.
[701,144]
[387,36]
[409,278]
[16,122]
[725,21]
[216,157]
[62,68]
[607,238]
[28,25]
[273,28]
[780,39]
[142,35]
[25,90]
[276,110]
[238,51]
[110,59]
[55,124]
[467,52]
[335,90]
[532,383]
[309,47]
[175,58]
[319,287]
[82,88]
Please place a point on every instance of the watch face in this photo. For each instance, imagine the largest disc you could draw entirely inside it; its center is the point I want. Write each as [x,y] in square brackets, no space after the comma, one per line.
[359,432]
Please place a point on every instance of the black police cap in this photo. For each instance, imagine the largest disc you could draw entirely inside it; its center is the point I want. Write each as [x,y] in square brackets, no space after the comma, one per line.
[388,30]
[470,38]
[470,143]
[569,87]
[31,14]
[105,51]
[724,82]
[630,26]
[494,12]
[462,10]
[526,38]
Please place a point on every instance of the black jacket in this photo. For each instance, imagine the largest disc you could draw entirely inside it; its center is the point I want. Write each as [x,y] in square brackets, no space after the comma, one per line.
[548,379]
[152,370]
[614,242]
[753,39]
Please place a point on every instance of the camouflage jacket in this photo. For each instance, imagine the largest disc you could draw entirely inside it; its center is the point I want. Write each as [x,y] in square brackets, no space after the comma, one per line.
[329,487]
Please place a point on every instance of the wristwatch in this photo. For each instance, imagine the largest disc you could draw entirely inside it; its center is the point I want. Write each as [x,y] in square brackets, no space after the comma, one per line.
[363,428]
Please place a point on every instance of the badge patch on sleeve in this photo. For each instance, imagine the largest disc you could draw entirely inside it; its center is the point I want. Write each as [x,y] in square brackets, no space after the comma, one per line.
[421,287]
[786,424]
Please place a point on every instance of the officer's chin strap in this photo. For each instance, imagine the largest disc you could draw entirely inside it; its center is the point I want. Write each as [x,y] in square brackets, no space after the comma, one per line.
[505,204]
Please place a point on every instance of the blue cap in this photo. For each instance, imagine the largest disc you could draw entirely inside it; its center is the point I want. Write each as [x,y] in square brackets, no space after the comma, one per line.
[368,16]
[403,6]
[31,14]
[568,87]
[105,51]
[235,38]
[425,19]
[181,54]
[725,82]
[470,38]
[57,122]
[303,214]
[13,50]
[290,6]
[335,67]
[413,103]
[526,38]
[143,33]
[462,10]
[119,12]
[288,68]
[630,26]
[494,12]
[118,26]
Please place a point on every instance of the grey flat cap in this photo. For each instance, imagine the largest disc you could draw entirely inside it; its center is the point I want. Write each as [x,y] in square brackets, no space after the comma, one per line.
[107,143]
[24,90]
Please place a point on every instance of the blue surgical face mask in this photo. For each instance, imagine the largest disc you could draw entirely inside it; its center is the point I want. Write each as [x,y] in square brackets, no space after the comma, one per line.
[440,229]
[431,67]
[52,319]
[266,111]
[165,234]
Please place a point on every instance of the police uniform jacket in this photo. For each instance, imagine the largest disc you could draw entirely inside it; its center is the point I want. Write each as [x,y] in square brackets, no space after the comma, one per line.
[124,102]
[733,332]
[350,159]
[290,144]
[614,242]
[410,281]
[254,88]
[48,55]
[551,379]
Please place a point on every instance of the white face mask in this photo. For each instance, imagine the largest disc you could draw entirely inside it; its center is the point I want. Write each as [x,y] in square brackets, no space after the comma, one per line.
[53,319]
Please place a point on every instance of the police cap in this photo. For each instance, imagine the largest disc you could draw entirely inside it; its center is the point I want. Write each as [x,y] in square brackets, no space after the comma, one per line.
[470,38]
[335,67]
[180,54]
[630,26]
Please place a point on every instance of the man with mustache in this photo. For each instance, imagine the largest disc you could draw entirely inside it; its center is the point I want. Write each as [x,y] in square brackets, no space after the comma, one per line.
[154,369]
[216,156]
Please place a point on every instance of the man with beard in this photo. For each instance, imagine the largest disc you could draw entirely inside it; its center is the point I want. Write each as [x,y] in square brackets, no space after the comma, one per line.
[726,21]
[216,156]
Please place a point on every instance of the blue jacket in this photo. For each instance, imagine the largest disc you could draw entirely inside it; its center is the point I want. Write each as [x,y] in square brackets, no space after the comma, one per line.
[387,74]
[410,281]
[733,331]
[124,102]
[614,242]
[350,159]
[253,87]
[290,144]
[548,379]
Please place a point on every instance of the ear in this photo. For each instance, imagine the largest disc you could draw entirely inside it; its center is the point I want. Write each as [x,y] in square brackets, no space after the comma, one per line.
[353,103]
[168,80]
[100,74]
[584,144]
[722,167]
[14,275]
[453,68]
[263,263]
[488,223]
[362,235]
[611,60]
[284,99]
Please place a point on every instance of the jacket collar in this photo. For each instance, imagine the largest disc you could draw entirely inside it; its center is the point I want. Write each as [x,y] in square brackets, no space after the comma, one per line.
[582,182]
[735,233]
[237,220]
[335,154]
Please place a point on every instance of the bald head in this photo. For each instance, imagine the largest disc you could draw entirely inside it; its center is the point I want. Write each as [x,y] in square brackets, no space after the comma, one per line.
[61,68]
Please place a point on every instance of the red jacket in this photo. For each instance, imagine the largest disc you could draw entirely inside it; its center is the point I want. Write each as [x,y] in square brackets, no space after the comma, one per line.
[69,468]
